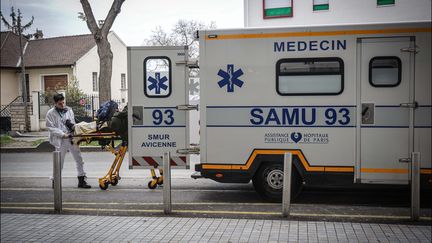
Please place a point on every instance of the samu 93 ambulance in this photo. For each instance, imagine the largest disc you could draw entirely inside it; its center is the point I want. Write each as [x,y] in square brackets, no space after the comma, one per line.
[351,103]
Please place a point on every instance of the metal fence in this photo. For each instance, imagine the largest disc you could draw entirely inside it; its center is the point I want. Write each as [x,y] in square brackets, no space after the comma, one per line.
[5,111]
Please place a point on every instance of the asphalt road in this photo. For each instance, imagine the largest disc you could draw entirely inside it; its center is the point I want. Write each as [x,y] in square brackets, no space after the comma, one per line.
[25,187]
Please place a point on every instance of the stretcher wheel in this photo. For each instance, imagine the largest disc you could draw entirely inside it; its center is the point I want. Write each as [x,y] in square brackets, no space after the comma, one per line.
[160,180]
[152,184]
[103,185]
[114,181]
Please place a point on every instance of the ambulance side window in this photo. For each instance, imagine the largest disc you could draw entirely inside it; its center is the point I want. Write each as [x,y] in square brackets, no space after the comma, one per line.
[310,76]
[385,71]
[157,77]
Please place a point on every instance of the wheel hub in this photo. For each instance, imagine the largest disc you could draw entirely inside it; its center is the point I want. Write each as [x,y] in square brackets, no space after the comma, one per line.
[275,179]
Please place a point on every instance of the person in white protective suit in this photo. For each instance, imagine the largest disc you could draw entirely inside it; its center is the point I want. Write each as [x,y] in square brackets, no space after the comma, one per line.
[59,121]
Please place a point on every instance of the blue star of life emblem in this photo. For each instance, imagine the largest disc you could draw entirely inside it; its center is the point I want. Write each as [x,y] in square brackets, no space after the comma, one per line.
[230,78]
[157,83]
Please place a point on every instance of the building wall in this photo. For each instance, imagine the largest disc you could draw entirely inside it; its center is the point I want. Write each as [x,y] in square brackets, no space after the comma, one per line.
[119,66]
[83,70]
[9,85]
[89,63]
[340,12]
[36,76]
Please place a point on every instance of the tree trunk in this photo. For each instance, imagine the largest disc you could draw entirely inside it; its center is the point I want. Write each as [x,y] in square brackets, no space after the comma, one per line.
[105,69]
[100,34]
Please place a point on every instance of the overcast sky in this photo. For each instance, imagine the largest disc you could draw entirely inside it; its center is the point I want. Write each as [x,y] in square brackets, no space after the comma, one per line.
[136,20]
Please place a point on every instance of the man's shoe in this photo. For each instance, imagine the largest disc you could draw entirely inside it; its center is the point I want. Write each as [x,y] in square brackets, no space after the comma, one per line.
[82,183]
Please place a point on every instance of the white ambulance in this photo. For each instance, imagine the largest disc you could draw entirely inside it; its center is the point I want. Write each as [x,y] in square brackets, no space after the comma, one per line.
[349,102]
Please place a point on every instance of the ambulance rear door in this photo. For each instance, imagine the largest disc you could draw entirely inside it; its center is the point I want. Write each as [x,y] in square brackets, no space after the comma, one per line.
[157,86]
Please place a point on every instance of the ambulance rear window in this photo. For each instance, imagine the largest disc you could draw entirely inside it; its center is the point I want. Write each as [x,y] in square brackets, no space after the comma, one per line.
[157,77]
[310,76]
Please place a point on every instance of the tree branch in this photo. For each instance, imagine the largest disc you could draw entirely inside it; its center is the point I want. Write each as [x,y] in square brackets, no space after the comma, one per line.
[28,24]
[90,19]
[5,22]
[13,17]
[111,16]
[82,16]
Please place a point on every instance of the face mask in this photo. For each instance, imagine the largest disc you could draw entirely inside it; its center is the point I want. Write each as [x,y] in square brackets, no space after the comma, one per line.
[59,110]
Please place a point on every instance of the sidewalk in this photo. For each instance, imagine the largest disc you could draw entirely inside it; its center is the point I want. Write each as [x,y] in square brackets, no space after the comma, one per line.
[78,228]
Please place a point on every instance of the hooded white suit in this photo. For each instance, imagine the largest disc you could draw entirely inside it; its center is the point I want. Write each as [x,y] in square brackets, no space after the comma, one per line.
[55,122]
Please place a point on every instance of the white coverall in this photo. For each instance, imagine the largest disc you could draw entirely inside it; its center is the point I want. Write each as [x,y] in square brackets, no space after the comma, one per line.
[55,122]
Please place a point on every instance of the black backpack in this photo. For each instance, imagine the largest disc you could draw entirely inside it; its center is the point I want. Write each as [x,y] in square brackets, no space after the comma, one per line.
[106,111]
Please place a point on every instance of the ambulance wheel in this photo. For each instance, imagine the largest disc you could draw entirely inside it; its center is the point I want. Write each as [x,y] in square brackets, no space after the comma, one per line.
[152,184]
[268,182]
[104,185]
[114,181]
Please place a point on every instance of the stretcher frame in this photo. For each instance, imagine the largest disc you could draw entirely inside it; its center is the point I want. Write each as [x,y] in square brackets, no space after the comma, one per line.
[113,175]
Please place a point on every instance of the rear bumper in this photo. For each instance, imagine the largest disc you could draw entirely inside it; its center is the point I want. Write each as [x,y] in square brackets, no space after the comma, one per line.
[225,176]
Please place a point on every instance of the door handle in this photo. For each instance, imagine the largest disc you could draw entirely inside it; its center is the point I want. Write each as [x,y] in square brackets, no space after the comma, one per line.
[365,110]
[409,105]
[367,113]
[414,50]
[193,150]
[187,107]
[404,160]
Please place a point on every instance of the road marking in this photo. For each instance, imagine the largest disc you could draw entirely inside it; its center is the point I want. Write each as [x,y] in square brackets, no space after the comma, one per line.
[220,212]
[140,204]
[125,190]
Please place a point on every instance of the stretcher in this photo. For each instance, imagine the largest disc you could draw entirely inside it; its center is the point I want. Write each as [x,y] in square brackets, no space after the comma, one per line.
[106,140]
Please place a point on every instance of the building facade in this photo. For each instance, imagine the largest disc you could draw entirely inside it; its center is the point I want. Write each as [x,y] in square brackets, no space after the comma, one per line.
[51,63]
[285,13]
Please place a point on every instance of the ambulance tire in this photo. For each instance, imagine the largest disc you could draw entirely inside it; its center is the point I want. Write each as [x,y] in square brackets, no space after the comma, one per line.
[267,182]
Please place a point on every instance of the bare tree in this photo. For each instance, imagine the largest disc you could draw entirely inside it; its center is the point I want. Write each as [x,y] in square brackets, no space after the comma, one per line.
[100,33]
[160,38]
[182,34]
[18,28]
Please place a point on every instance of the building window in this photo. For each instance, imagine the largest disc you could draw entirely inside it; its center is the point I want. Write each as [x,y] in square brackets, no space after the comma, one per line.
[277,8]
[310,76]
[95,82]
[319,5]
[385,71]
[385,2]
[123,81]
